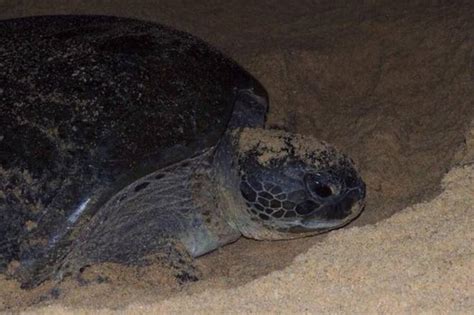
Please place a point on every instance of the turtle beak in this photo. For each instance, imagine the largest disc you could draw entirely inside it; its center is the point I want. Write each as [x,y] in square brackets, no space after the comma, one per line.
[338,211]
[335,213]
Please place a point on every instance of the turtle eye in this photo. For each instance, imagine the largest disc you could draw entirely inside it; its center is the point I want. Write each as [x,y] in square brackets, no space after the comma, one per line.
[320,189]
[320,185]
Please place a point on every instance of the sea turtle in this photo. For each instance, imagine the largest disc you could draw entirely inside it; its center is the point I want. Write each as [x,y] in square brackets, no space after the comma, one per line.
[123,140]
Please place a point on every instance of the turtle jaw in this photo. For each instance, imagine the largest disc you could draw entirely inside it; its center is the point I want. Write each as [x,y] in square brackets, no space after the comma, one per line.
[328,217]
[319,224]
[321,221]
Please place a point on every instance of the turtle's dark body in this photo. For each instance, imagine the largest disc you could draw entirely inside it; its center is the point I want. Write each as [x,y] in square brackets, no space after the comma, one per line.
[130,142]
[91,103]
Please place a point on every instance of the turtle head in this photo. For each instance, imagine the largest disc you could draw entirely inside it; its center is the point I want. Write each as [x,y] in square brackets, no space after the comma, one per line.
[284,186]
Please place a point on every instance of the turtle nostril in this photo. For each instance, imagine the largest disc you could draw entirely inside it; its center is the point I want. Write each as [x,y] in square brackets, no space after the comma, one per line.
[322,190]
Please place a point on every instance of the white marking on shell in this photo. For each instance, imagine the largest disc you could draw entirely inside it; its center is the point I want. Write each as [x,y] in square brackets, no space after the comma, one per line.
[77,213]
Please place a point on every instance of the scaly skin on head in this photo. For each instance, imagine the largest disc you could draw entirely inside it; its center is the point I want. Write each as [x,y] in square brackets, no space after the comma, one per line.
[277,185]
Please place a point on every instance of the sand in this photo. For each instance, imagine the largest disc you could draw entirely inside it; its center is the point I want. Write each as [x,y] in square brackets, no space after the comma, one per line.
[391,85]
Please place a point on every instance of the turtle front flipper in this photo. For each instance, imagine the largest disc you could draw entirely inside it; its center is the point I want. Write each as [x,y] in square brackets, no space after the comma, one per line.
[168,216]
[167,252]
